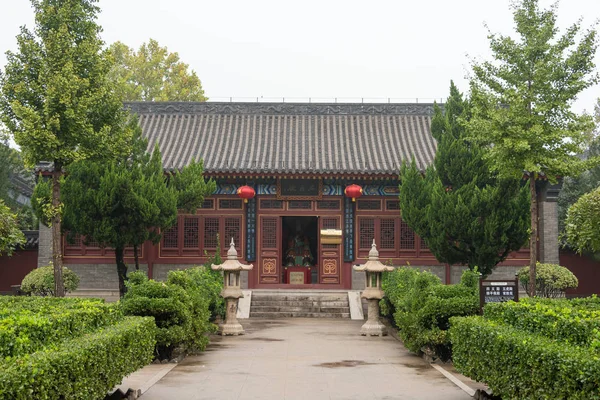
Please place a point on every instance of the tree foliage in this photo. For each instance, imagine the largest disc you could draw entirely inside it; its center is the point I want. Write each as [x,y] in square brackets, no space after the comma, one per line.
[466,214]
[10,234]
[56,99]
[522,101]
[153,74]
[582,225]
[129,201]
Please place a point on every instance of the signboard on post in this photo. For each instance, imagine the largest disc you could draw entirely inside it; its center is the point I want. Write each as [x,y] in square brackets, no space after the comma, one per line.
[497,291]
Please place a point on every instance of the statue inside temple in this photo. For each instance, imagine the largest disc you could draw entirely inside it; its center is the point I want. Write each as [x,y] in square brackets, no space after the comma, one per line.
[298,251]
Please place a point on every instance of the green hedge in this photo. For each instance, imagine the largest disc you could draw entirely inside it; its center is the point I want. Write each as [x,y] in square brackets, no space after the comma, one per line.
[558,320]
[521,365]
[422,306]
[23,330]
[86,367]
[179,306]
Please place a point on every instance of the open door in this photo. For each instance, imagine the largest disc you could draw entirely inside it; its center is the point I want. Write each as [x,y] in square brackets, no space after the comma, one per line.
[329,254]
[270,250]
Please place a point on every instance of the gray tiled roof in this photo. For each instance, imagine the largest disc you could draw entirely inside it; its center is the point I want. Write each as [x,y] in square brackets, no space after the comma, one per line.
[289,138]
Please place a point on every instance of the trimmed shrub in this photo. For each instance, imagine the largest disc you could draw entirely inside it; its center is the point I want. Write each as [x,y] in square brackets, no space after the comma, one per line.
[558,320]
[551,280]
[519,365]
[86,367]
[179,306]
[27,326]
[40,281]
[422,307]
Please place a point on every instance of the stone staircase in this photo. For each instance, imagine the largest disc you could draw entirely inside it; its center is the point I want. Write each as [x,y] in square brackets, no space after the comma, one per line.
[270,304]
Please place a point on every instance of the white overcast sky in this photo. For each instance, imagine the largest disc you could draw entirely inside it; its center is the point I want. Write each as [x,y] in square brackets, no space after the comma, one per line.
[399,49]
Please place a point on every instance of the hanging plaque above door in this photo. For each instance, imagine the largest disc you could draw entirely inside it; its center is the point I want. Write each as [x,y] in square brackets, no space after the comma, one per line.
[299,189]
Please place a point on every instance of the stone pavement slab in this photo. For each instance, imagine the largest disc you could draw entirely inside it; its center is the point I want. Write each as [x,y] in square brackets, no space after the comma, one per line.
[304,359]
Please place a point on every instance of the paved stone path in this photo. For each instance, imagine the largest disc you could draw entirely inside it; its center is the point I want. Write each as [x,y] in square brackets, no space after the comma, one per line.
[308,359]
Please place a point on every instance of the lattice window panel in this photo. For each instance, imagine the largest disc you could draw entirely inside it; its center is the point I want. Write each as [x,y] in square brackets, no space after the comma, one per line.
[230,204]
[269,233]
[424,245]
[170,237]
[392,205]
[73,241]
[369,205]
[92,243]
[299,205]
[208,203]
[407,237]
[211,230]
[387,233]
[190,233]
[366,232]
[328,205]
[330,223]
[268,204]
[233,227]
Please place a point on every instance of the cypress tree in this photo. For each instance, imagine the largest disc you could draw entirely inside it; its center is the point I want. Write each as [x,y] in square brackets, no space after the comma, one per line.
[466,214]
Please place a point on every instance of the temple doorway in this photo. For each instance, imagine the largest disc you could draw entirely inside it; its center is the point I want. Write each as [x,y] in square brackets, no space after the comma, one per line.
[300,250]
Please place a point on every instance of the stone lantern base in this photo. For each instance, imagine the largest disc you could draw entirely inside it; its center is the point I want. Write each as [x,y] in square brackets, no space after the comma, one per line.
[373,327]
[231,326]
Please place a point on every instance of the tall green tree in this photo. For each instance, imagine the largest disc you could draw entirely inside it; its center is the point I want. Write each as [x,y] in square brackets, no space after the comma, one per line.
[56,99]
[583,222]
[522,102]
[466,214]
[153,74]
[129,201]
[10,234]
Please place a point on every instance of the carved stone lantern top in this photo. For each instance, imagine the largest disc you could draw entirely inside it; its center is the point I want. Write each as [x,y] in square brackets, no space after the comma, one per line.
[232,263]
[373,264]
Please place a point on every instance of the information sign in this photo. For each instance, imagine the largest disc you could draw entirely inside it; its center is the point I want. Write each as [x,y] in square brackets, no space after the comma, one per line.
[498,291]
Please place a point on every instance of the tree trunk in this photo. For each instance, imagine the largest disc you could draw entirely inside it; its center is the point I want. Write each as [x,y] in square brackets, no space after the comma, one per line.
[136,258]
[121,269]
[534,235]
[57,260]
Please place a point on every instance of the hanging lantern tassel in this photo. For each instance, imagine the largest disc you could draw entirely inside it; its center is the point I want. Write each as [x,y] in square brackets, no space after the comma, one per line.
[353,191]
[246,192]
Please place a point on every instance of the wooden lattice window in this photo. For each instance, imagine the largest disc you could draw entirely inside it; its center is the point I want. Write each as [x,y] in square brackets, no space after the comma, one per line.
[92,243]
[230,204]
[233,227]
[190,232]
[170,237]
[366,232]
[267,204]
[424,244]
[369,205]
[407,237]
[299,205]
[392,205]
[387,233]
[269,233]
[208,203]
[211,230]
[328,205]
[73,240]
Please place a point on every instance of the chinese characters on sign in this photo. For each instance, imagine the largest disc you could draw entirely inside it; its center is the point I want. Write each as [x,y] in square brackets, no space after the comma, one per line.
[498,291]
[299,188]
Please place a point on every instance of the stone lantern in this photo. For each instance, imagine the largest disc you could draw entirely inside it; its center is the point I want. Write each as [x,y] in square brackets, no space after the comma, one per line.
[232,290]
[373,293]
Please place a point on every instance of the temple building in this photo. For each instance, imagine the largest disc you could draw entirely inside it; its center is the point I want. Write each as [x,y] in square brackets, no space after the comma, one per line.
[303,189]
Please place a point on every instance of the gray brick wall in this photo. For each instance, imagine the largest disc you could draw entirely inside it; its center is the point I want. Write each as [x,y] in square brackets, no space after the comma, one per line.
[160,271]
[358,278]
[548,226]
[100,276]
[45,246]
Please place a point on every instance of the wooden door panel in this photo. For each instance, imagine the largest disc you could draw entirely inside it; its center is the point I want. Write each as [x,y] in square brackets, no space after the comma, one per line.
[329,254]
[270,250]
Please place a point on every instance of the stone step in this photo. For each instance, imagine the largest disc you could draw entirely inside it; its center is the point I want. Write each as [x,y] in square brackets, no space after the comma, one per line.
[272,297]
[294,303]
[300,309]
[272,315]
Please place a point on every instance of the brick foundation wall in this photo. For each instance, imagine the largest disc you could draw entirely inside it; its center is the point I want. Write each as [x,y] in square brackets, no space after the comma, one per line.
[100,276]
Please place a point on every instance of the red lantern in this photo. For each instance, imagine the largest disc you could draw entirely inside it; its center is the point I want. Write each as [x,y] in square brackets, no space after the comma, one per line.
[246,192]
[353,191]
